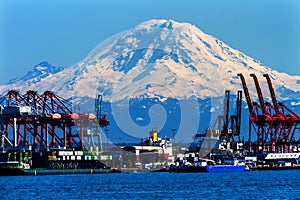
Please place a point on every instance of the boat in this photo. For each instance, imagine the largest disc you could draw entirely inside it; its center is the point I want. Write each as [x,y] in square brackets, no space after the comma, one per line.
[8,168]
[226,168]
[187,169]
[277,161]
[210,168]
[153,154]
[20,171]
[15,163]
[207,165]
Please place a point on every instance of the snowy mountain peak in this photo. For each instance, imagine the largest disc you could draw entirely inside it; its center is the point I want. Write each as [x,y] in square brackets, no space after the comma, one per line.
[163,23]
[159,58]
[40,71]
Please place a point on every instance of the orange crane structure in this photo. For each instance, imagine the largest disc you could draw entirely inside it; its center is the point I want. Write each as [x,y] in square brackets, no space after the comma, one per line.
[274,123]
[44,121]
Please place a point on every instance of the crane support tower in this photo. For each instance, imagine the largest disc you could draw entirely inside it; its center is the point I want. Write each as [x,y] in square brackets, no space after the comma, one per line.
[230,126]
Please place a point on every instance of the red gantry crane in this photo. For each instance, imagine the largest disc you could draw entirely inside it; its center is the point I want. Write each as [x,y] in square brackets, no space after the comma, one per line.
[286,122]
[252,112]
[275,125]
[264,121]
[44,121]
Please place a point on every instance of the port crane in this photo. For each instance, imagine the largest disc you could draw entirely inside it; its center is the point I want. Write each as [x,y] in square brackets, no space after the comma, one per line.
[275,124]
[286,121]
[39,121]
[236,118]
[264,122]
[229,126]
[103,122]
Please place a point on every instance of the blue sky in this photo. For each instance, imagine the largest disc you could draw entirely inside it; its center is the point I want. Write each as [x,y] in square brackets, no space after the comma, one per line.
[64,32]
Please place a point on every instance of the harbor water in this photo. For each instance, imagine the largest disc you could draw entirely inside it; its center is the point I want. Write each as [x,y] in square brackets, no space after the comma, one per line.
[161,185]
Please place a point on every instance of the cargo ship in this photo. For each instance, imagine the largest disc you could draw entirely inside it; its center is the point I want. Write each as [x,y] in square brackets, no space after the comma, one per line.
[153,154]
[51,162]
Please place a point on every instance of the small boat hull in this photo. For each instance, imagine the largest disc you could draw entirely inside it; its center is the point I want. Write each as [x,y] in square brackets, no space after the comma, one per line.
[41,171]
[225,168]
[12,172]
[187,169]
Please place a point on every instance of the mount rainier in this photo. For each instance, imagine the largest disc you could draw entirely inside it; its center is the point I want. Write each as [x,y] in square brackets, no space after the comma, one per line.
[158,62]
[176,55]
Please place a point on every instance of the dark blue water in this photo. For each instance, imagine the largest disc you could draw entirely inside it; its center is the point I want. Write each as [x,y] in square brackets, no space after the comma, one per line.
[248,185]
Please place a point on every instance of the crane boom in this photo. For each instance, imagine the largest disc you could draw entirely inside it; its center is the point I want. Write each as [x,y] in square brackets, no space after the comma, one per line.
[259,93]
[247,95]
[272,92]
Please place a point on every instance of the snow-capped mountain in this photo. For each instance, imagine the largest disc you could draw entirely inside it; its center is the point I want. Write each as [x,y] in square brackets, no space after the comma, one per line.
[159,63]
[157,58]
[39,72]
